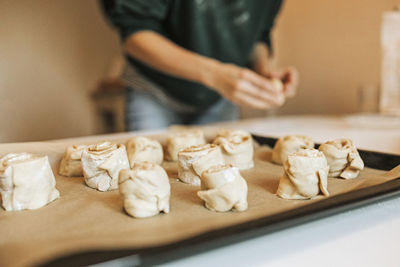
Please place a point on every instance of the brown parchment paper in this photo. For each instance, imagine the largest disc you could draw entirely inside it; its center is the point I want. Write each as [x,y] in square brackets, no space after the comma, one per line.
[86,219]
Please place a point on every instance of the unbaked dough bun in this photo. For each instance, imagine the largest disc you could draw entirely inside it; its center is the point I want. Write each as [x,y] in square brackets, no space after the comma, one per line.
[181,140]
[145,190]
[237,148]
[140,149]
[277,84]
[71,164]
[289,144]
[192,161]
[101,165]
[306,175]
[343,158]
[26,182]
[223,189]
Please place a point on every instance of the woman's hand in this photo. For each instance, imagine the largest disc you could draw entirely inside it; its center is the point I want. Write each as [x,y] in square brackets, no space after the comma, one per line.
[243,86]
[261,65]
[289,78]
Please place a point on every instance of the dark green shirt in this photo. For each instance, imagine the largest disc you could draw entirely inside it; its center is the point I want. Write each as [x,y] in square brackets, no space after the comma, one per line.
[222,29]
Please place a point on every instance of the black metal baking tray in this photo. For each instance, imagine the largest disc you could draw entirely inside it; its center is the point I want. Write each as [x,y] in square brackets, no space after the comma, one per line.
[262,226]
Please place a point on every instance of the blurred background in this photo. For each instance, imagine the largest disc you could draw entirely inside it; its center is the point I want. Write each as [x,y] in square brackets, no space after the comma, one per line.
[59,61]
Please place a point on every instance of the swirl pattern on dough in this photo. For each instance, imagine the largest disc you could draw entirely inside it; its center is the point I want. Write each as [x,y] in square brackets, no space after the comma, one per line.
[140,149]
[192,161]
[289,144]
[343,158]
[101,164]
[181,140]
[237,148]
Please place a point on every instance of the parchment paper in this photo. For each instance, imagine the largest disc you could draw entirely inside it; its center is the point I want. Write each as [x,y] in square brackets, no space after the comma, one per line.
[84,218]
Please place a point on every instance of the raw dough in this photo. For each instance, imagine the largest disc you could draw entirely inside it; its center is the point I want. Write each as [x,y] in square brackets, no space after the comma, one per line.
[306,175]
[192,161]
[289,144]
[343,158]
[101,165]
[145,189]
[181,140]
[26,182]
[71,164]
[237,148]
[223,189]
[141,149]
[277,84]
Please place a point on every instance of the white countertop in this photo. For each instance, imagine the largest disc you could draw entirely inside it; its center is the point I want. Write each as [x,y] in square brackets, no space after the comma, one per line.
[368,236]
[368,132]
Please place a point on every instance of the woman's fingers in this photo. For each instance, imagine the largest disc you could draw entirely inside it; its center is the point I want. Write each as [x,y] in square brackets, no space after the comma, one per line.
[289,78]
[245,87]
[258,80]
[243,99]
[270,99]
[290,82]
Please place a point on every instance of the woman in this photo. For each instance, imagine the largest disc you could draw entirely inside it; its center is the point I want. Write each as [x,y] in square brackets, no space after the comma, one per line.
[194,61]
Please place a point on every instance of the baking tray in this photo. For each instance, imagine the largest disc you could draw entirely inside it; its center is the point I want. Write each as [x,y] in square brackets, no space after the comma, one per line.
[250,229]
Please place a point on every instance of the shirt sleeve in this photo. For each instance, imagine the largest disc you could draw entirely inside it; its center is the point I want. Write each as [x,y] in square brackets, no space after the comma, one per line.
[130,16]
[266,33]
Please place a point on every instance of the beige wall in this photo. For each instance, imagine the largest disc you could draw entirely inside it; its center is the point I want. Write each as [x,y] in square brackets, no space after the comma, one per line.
[336,47]
[52,53]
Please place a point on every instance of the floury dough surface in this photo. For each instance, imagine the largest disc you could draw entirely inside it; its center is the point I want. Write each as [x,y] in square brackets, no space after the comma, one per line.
[193,161]
[289,144]
[26,182]
[223,189]
[343,158]
[237,148]
[145,190]
[101,165]
[305,176]
[181,140]
[71,164]
[140,149]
